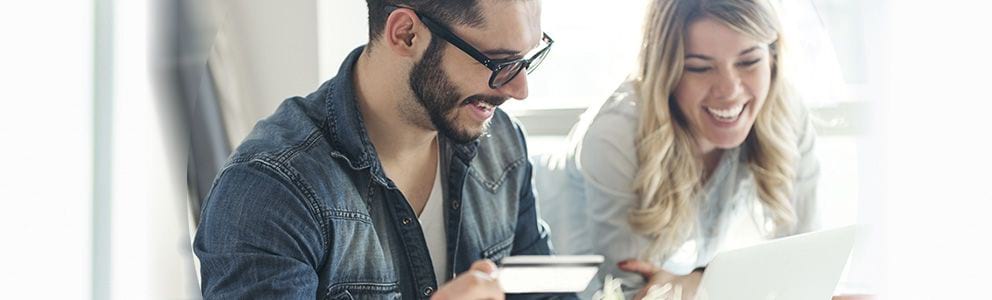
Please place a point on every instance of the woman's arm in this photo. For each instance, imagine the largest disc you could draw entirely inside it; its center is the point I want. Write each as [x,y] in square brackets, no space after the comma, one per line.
[807,177]
[655,276]
[607,160]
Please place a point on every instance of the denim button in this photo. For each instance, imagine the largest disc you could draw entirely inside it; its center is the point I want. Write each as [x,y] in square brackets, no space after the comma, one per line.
[454,204]
[406,221]
[428,291]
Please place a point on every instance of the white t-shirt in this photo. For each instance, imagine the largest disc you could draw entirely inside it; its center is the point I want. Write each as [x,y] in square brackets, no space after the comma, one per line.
[432,222]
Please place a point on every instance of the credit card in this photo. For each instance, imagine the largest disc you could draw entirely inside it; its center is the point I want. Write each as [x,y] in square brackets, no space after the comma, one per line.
[547,273]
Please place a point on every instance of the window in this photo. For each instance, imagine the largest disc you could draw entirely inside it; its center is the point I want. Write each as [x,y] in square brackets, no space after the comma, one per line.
[46,129]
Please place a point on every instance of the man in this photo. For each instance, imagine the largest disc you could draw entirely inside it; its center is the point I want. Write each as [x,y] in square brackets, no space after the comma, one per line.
[394,176]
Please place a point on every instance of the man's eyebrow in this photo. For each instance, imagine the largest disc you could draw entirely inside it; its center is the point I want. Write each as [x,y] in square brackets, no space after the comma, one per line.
[704,57]
[501,51]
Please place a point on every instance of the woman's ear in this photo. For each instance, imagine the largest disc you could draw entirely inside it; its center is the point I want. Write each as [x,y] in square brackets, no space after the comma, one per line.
[403,34]
[773,58]
[773,53]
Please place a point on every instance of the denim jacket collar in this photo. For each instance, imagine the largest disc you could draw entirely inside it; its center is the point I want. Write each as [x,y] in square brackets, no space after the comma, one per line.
[346,129]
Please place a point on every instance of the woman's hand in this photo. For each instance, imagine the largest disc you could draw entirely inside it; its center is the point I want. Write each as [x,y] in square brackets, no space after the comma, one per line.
[479,282]
[655,276]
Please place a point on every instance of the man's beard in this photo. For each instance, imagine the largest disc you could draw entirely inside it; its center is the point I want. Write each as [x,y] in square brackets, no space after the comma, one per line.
[439,97]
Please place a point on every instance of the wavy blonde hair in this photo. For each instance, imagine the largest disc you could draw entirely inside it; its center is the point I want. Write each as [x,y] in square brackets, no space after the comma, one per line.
[669,179]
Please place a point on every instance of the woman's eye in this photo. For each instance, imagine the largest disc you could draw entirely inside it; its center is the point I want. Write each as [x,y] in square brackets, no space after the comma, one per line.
[748,63]
[697,69]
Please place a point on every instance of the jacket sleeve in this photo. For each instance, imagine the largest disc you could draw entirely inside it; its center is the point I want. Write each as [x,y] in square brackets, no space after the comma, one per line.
[532,235]
[257,238]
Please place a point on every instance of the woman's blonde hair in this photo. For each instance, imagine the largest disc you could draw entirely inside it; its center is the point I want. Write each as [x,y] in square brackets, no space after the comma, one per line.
[669,179]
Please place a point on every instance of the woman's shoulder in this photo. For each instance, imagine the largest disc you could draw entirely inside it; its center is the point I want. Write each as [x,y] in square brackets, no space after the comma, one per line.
[607,132]
[622,102]
[614,119]
[616,116]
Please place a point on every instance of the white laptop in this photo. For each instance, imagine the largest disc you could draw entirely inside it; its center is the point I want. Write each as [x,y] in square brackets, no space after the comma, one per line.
[805,266]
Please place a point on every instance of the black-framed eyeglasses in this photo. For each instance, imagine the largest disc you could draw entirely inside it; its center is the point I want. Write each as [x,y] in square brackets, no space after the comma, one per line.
[504,70]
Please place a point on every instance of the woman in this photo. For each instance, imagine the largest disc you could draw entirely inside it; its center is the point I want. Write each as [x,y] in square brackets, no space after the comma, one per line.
[702,150]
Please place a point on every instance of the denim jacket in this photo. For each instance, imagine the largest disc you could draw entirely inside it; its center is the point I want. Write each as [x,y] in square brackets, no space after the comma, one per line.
[304,210]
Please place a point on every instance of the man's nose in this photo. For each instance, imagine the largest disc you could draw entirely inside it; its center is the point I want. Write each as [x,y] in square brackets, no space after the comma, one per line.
[517,87]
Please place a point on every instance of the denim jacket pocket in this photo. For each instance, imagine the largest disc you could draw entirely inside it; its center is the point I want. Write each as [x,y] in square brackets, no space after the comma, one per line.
[498,251]
[359,291]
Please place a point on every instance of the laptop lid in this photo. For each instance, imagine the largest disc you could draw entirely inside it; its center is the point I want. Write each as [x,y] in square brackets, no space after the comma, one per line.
[804,266]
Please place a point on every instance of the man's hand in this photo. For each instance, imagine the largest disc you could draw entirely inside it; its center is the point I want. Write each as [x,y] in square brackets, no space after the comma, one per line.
[479,282]
[656,276]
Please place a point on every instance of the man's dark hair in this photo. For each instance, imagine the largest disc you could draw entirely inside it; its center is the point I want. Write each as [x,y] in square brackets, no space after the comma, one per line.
[448,12]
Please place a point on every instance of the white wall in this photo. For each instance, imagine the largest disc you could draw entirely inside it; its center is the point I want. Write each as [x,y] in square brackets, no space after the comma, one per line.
[150,257]
[936,168]
[46,142]
[341,26]
[264,52]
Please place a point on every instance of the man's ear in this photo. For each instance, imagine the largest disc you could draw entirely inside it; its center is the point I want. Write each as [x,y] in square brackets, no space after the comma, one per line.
[404,34]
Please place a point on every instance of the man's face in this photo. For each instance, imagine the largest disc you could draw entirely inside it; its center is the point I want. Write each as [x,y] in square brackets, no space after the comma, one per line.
[453,88]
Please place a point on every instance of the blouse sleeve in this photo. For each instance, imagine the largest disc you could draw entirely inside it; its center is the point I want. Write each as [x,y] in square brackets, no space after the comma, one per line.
[608,163]
[807,176]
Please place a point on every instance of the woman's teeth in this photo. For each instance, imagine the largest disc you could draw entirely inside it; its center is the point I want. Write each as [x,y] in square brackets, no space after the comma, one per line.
[728,113]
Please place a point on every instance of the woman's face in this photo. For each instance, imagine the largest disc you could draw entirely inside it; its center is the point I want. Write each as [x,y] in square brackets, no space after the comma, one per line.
[724,85]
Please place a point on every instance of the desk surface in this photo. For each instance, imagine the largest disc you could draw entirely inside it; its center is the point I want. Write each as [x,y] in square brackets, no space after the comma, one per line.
[854,297]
